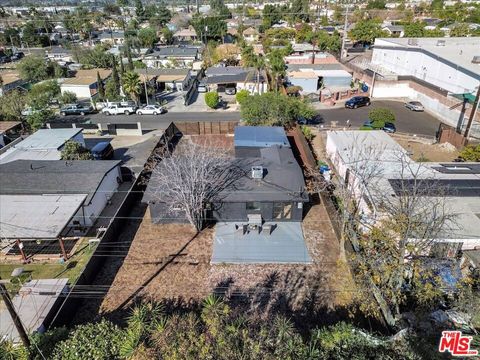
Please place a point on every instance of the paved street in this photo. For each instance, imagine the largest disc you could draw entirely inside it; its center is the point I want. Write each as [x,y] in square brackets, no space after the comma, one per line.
[407,121]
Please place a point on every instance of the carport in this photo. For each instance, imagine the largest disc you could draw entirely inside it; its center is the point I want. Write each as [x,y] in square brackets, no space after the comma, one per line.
[38,224]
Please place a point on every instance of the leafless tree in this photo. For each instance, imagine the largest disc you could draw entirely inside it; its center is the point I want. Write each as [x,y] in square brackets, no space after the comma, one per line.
[191,177]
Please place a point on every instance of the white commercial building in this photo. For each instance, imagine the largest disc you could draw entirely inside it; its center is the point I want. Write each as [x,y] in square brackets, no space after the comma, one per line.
[452,64]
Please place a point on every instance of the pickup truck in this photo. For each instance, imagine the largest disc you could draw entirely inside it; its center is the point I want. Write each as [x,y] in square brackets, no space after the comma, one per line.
[76,109]
[116,109]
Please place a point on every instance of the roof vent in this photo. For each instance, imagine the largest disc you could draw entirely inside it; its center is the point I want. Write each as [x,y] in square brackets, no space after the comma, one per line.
[257,172]
[440,42]
[413,42]
[476,59]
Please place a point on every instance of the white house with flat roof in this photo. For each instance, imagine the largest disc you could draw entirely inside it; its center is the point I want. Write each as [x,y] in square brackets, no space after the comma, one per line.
[44,144]
[378,170]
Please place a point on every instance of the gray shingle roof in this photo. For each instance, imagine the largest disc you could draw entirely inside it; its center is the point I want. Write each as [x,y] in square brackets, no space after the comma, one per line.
[54,177]
[282,180]
[174,51]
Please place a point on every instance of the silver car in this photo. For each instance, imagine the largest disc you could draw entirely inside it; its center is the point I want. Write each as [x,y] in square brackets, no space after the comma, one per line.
[414,106]
[151,110]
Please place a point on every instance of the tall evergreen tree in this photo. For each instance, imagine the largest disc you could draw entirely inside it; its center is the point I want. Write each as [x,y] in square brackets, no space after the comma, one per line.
[115,77]
[101,88]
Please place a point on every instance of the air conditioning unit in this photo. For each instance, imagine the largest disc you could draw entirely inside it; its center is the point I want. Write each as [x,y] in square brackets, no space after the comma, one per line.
[476,59]
[257,172]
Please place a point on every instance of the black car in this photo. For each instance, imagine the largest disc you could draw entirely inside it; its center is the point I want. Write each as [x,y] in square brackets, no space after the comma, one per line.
[102,151]
[357,101]
[18,56]
[76,109]
[4,59]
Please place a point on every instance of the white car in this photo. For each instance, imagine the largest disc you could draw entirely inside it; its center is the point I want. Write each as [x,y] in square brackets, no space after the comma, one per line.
[116,109]
[414,106]
[151,110]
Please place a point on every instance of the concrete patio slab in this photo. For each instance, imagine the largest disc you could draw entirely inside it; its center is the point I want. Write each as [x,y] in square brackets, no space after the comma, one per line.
[285,244]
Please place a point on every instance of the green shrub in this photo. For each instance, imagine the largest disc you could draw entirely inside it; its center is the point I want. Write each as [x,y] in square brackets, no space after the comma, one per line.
[241,96]
[364,127]
[307,132]
[380,116]
[470,153]
[211,99]
[100,340]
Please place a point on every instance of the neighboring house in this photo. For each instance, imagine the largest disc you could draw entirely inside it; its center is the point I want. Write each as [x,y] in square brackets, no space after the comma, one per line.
[95,181]
[306,54]
[111,37]
[218,78]
[172,57]
[59,54]
[460,182]
[394,30]
[11,81]
[8,129]
[84,83]
[188,35]
[332,78]
[250,35]
[37,303]
[44,144]
[173,79]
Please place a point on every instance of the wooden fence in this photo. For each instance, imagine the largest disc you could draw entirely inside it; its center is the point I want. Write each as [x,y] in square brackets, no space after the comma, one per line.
[207,127]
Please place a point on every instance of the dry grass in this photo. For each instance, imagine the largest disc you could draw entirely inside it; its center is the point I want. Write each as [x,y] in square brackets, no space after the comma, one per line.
[422,151]
[164,261]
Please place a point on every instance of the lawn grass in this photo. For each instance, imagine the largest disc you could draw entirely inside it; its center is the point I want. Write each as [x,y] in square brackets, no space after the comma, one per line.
[71,269]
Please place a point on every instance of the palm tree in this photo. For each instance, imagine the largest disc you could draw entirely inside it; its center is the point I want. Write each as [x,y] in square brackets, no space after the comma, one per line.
[276,66]
[132,85]
[250,59]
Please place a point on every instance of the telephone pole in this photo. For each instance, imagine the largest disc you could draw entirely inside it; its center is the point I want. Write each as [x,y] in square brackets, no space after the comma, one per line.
[14,315]
[472,114]
[344,37]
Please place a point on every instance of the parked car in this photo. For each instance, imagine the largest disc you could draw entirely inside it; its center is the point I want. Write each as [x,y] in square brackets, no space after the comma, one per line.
[151,110]
[314,120]
[414,106]
[388,127]
[29,111]
[102,151]
[202,88]
[4,59]
[17,56]
[76,109]
[230,90]
[357,101]
[116,109]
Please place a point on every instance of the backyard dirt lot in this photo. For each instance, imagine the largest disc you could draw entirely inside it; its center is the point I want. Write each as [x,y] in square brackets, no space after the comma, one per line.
[170,262]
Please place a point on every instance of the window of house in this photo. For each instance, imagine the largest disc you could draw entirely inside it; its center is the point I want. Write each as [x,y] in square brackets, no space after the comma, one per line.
[253,205]
[282,210]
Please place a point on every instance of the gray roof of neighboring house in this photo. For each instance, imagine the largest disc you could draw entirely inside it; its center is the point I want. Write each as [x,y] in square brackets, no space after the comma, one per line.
[393,28]
[42,145]
[166,52]
[225,70]
[110,35]
[34,302]
[54,177]
[48,139]
[260,136]
[37,216]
